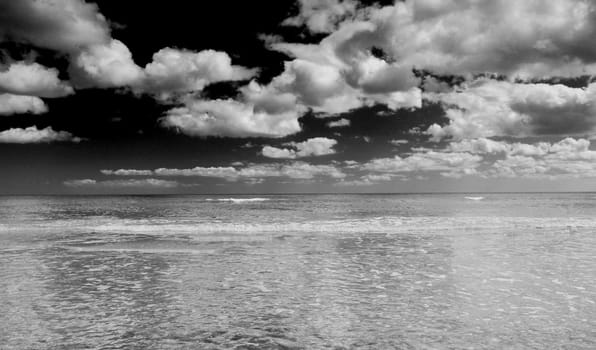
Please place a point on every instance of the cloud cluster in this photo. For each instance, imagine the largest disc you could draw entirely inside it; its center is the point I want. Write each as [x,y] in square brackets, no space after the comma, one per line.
[78,30]
[566,158]
[317,146]
[486,108]
[120,184]
[516,38]
[34,135]
[370,53]
[369,180]
[451,164]
[294,170]
[171,72]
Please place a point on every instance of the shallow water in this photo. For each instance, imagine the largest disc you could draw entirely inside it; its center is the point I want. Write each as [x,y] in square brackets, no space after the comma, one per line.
[299,272]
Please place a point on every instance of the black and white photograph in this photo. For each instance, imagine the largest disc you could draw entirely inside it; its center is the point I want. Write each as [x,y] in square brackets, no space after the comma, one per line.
[297,174]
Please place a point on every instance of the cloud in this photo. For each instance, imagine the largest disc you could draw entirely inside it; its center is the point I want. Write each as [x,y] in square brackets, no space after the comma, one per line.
[369,180]
[274,152]
[480,146]
[371,52]
[398,142]
[318,146]
[294,170]
[34,135]
[328,81]
[453,164]
[174,70]
[568,158]
[127,172]
[62,25]
[128,183]
[105,65]
[18,104]
[340,123]
[32,79]
[79,30]
[487,108]
[321,16]
[230,118]
[515,38]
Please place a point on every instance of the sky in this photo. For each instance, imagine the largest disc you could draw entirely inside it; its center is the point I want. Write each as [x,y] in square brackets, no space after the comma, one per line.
[297,96]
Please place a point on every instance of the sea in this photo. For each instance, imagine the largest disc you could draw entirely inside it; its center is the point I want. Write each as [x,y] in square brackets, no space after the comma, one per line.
[349,271]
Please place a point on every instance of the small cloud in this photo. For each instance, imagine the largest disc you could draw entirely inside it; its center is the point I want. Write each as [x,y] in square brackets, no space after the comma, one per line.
[339,123]
[127,172]
[318,146]
[128,183]
[398,142]
[34,135]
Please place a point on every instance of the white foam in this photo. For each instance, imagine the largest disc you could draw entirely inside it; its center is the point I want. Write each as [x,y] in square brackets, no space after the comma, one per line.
[474,198]
[386,224]
[239,200]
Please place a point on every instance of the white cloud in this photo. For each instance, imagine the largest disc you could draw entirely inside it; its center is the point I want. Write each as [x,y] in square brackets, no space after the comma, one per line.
[34,135]
[370,52]
[331,79]
[128,183]
[230,118]
[322,16]
[317,146]
[398,142]
[568,158]
[369,180]
[449,163]
[274,152]
[32,79]
[488,108]
[127,172]
[80,183]
[294,170]
[516,38]
[479,146]
[105,65]
[78,29]
[62,25]
[17,104]
[174,70]
[339,123]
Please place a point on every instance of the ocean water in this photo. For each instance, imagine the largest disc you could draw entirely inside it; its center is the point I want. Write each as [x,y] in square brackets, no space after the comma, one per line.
[448,271]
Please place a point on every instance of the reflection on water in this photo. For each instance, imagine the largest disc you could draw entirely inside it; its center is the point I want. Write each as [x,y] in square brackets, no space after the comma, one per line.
[308,272]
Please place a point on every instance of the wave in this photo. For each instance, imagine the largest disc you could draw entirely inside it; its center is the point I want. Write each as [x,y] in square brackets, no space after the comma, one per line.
[238,200]
[387,225]
[474,198]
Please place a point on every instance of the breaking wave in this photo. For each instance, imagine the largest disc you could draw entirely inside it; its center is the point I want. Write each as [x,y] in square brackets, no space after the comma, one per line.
[238,200]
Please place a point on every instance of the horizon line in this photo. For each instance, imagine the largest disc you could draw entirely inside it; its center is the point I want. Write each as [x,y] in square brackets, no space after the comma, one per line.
[282,193]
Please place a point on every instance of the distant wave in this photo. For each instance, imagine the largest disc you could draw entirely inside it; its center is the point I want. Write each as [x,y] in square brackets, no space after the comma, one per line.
[239,200]
[474,198]
[218,230]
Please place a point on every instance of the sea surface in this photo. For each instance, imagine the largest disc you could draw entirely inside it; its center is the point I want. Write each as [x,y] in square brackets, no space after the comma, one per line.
[444,271]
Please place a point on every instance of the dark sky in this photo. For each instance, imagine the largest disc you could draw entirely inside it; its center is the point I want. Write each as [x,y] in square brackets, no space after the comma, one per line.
[295,96]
